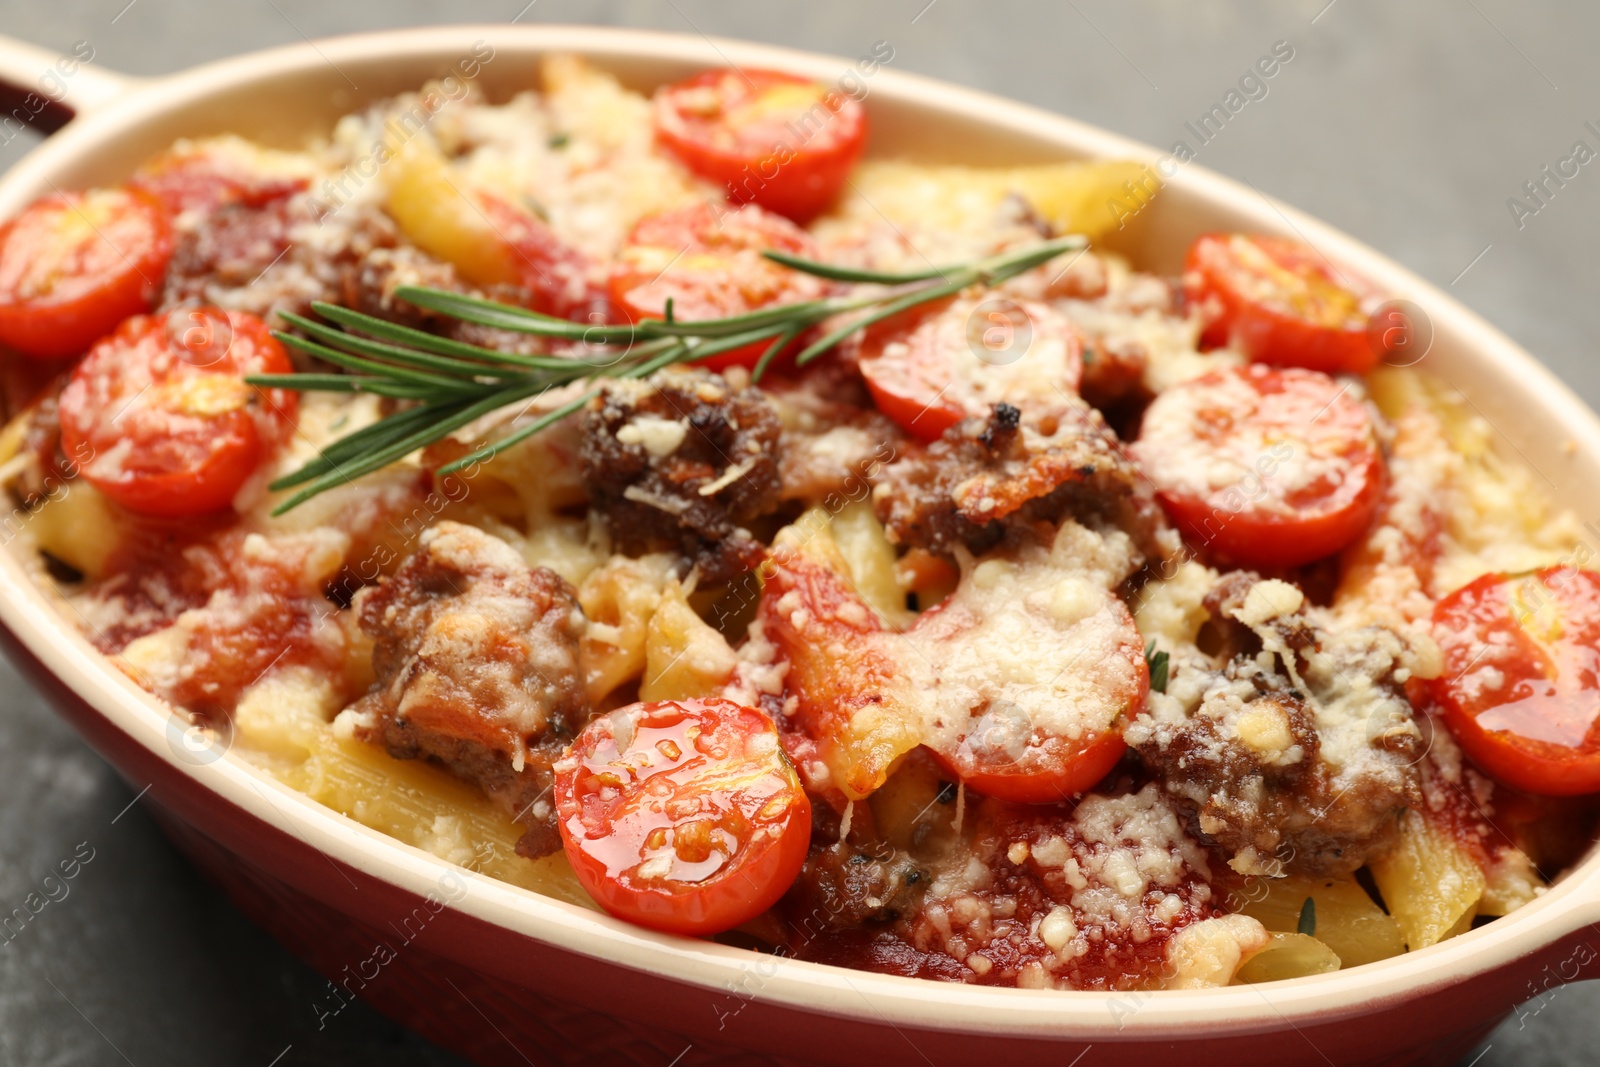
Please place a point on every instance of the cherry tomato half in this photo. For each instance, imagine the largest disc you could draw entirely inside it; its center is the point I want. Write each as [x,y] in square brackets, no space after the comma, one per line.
[707,260]
[1521,683]
[968,356]
[1264,467]
[1054,769]
[1277,301]
[204,178]
[74,265]
[682,815]
[163,413]
[774,139]
[1040,690]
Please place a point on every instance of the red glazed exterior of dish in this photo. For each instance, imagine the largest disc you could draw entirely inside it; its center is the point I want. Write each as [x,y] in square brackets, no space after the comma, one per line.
[503,1000]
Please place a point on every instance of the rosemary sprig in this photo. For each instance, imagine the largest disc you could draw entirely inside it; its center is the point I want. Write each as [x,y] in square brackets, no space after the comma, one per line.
[450,384]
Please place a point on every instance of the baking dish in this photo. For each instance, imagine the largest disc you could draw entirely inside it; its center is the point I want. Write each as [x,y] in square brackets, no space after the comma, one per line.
[505,976]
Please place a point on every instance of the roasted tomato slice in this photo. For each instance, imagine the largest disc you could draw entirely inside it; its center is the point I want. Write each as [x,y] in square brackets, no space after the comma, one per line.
[966,357]
[773,139]
[74,265]
[1277,301]
[1039,667]
[707,260]
[1264,467]
[857,687]
[162,412]
[1520,688]
[682,815]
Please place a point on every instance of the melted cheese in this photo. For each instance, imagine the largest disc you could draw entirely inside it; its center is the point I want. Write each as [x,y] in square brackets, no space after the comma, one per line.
[1038,636]
[1208,953]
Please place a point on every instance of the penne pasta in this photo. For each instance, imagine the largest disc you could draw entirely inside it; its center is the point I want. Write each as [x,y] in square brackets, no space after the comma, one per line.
[1346,920]
[684,656]
[619,600]
[1088,198]
[1287,956]
[871,561]
[75,527]
[1430,883]
[423,806]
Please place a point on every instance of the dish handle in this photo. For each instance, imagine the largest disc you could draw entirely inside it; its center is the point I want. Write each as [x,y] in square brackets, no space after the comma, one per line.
[42,90]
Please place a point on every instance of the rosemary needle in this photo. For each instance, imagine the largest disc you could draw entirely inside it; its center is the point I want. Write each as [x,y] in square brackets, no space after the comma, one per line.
[450,383]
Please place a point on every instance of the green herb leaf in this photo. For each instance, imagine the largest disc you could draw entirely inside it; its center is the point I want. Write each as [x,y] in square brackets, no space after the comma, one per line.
[1308,918]
[851,274]
[893,307]
[779,343]
[1157,662]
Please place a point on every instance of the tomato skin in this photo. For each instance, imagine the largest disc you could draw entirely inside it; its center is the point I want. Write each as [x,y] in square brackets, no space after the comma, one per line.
[961,358]
[897,397]
[1278,302]
[74,265]
[1050,768]
[159,416]
[707,259]
[556,274]
[672,784]
[1258,419]
[759,134]
[1521,683]
[854,698]
[1074,769]
[205,179]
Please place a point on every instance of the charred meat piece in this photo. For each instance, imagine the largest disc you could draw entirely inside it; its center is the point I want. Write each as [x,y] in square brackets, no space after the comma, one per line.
[477,666]
[1300,751]
[985,476]
[685,461]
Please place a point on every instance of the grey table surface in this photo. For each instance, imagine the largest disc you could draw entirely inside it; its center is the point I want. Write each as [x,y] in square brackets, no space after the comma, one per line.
[1408,125]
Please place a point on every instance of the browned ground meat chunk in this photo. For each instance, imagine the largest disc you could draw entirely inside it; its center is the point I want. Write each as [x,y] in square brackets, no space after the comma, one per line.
[855,882]
[985,476]
[477,665]
[685,461]
[283,254]
[227,249]
[1300,751]
[273,256]
[1113,372]
[384,270]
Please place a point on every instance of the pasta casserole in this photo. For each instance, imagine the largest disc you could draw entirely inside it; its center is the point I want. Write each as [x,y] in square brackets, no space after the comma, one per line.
[663,504]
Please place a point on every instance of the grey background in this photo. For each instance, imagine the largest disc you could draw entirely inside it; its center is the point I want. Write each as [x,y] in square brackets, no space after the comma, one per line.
[1406,124]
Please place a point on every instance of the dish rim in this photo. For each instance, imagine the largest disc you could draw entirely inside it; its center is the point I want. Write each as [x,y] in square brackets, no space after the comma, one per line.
[872,998]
